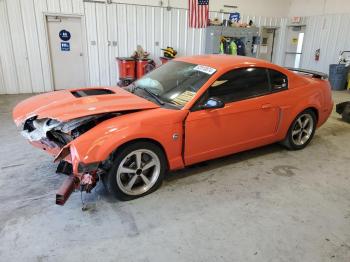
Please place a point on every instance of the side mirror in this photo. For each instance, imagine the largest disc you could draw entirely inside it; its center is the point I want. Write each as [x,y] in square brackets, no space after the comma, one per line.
[212,103]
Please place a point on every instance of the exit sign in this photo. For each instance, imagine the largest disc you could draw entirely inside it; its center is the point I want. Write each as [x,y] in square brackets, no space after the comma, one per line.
[296,19]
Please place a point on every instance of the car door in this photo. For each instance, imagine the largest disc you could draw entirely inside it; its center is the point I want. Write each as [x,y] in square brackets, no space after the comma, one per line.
[248,119]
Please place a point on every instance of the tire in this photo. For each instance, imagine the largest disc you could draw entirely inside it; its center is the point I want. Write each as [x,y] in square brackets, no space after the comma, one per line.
[138,169]
[346,113]
[298,137]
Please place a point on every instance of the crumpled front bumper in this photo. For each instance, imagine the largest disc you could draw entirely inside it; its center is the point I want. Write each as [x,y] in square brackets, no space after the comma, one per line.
[83,177]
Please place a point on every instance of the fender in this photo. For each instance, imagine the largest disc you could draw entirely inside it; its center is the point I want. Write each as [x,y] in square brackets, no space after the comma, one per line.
[99,142]
[309,99]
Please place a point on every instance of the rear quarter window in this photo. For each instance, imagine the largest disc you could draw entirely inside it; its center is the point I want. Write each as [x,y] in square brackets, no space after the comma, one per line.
[278,81]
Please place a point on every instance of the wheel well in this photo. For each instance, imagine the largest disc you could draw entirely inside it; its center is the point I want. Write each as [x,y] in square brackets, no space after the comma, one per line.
[149,140]
[313,109]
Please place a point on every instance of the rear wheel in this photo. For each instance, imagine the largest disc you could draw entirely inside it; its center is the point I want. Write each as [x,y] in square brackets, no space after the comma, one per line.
[137,170]
[301,131]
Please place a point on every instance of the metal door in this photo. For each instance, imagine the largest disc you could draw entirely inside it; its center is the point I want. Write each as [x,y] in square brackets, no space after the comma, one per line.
[218,132]
[267,43]
[66,49]
[294,46]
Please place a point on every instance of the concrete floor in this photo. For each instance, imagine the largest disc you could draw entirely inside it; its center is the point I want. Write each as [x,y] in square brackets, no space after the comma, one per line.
[267,204]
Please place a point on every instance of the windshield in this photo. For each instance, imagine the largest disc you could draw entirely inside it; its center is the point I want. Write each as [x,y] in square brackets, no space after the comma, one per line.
[175,82]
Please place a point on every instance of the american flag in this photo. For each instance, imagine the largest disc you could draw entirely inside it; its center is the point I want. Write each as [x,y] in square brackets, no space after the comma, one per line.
[198,13]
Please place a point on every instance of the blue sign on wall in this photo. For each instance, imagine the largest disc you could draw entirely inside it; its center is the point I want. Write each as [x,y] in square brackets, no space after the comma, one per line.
[65,46]
[235,17]
[64,35]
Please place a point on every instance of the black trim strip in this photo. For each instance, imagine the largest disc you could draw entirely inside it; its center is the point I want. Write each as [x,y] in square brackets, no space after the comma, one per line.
[314,74]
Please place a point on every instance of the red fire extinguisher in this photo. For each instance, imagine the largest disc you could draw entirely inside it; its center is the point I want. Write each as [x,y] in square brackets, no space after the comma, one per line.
[317,54]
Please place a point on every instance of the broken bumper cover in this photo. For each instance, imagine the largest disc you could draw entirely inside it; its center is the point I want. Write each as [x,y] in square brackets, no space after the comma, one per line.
[83,177]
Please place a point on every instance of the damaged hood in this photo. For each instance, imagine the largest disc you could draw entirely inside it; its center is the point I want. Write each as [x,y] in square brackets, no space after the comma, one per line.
[65,105]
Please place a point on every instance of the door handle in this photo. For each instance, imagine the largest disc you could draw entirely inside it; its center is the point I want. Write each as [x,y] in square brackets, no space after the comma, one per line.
[266,106]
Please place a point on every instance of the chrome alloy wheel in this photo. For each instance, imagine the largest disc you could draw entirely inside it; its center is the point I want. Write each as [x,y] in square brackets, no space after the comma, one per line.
[302,130]
[138,172]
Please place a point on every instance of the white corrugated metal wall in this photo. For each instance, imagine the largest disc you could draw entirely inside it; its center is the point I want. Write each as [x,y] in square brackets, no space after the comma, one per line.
[331,34]
[151,27]
[24,56]
[112,30]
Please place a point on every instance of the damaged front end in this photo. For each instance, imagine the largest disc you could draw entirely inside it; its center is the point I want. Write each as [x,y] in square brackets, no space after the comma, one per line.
[57,138]
[54,134]
[65,124]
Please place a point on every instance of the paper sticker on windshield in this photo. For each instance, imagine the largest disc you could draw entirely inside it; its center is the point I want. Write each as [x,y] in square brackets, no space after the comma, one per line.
[183,98]
[205,69]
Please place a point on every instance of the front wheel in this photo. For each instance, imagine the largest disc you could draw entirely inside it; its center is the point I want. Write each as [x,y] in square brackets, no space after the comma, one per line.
[301,131]
[138,170]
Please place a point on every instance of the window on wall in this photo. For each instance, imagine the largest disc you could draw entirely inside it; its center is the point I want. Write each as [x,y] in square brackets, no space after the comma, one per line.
[241,84]
[299,49]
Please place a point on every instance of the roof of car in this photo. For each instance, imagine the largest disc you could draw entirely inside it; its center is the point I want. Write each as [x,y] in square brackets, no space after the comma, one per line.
[221,62]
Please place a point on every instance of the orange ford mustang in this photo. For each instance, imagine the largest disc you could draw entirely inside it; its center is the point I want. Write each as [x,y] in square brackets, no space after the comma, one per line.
[189,110]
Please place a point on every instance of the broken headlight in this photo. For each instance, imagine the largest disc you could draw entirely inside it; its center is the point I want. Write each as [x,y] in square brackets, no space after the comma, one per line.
[60,132]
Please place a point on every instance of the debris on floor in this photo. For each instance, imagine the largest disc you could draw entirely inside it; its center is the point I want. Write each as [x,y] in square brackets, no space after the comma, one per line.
[344,110]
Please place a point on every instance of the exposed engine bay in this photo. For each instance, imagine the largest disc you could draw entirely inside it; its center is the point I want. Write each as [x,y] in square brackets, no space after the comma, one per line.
[54,133]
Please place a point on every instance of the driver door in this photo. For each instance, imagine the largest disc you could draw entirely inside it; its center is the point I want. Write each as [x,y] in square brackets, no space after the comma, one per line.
[248,119]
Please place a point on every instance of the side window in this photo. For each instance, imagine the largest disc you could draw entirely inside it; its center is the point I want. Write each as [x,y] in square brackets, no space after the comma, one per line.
[278,80]
[240,84]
